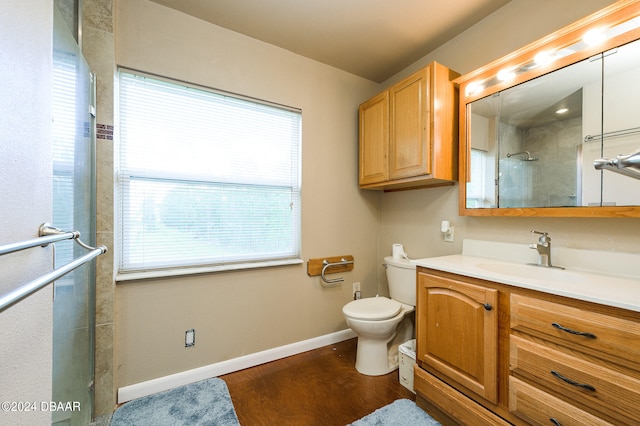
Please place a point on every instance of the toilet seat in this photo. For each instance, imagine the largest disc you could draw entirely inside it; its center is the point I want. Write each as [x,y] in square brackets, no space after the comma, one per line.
[372,308]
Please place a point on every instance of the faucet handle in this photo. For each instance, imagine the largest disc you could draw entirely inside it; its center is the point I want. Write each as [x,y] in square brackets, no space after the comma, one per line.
[544,236]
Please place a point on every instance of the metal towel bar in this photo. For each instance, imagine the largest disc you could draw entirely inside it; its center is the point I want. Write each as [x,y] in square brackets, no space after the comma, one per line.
[627,165]
[326,264]
[614,133]
[48,235]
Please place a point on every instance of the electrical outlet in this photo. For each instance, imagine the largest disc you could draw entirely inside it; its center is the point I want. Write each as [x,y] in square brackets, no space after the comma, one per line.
[189,338]
[449,235]
[356,291]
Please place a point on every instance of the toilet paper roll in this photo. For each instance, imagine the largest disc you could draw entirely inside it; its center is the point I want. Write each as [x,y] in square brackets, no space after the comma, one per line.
[397,251]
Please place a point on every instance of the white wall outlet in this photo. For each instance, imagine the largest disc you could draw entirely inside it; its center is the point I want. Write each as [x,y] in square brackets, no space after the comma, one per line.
[189,338]
[448,236]
[356,287]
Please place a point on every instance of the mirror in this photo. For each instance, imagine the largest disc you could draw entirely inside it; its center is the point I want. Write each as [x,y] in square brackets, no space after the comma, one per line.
[531,132]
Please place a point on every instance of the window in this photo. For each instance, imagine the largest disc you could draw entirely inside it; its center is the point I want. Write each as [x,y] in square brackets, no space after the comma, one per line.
[205,178]
[475,187]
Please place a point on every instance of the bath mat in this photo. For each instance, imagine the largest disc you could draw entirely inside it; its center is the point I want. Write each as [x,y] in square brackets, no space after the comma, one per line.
[402,412]
[202,403]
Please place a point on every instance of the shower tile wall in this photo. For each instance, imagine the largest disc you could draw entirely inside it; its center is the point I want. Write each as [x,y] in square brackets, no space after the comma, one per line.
[556,147]
[551,180]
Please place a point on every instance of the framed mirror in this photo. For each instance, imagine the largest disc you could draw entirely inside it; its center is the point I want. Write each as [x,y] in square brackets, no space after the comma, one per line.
[552,129]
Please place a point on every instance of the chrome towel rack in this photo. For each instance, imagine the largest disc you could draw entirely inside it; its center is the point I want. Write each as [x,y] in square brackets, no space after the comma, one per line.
[48,235]
[628,165]
[615,133]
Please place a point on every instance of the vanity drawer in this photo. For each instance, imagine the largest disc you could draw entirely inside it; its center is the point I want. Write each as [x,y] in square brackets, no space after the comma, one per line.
[599,334]
[539,408]
[588,385]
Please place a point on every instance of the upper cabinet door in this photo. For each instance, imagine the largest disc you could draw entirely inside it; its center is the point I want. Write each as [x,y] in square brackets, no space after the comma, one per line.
[410,144]
[374,139]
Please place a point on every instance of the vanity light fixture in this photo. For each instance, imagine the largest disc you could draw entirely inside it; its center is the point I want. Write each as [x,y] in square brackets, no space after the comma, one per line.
[506,74]
[562,110]
[474,88]
[543,58]
[594,36]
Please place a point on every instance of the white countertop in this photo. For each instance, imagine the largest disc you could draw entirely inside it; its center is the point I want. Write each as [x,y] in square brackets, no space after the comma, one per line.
[607,278]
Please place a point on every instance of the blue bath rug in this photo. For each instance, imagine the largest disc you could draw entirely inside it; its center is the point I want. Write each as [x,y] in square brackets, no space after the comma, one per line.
[402,412]
[202,403]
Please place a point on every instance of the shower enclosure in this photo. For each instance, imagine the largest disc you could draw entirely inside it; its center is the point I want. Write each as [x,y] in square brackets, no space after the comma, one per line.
[73,209]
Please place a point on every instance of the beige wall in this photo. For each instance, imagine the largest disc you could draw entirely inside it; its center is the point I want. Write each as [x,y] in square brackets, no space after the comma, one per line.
[238,313]
[26,179]
[413,217]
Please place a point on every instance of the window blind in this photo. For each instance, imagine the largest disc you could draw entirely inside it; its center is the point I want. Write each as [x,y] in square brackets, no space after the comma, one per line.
[205,178]
[63,132]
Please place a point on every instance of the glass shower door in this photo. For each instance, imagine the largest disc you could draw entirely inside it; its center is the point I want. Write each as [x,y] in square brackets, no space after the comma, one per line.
[73,209]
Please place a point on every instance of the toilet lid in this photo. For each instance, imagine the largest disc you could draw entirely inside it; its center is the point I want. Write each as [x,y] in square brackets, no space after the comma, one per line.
[372,308]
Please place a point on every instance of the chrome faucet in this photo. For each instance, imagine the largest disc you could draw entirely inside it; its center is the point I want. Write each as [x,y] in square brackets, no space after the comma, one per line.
[544,249]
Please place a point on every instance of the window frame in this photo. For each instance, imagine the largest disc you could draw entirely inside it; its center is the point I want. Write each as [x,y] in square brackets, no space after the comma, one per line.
[123,179]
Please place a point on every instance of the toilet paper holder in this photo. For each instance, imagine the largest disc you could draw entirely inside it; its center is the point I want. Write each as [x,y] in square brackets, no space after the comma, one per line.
[326,264]
[334,264]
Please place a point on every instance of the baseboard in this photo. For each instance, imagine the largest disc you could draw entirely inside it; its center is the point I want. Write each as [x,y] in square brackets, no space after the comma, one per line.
[127,393]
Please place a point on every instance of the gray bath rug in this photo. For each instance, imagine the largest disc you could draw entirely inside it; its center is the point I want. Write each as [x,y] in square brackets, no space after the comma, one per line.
[402,412]
[202,403]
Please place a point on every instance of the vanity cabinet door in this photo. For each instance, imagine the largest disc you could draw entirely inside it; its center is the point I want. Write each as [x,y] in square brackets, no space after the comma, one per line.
[457,332]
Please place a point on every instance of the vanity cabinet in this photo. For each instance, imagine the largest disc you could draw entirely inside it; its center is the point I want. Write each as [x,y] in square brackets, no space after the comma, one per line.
[533,358]
[408,133]
[576,360]
[457,325]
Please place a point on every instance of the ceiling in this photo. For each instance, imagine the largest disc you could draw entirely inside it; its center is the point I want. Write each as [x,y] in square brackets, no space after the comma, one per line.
[374,39]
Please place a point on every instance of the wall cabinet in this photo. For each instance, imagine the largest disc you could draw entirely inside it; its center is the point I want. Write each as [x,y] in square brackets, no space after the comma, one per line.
[533,358]
[408,133]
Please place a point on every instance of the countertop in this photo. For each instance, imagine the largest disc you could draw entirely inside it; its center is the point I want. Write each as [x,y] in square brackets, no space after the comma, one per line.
[607,278]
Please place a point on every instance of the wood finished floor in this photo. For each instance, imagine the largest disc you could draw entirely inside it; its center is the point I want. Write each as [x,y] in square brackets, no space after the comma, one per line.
[319,387]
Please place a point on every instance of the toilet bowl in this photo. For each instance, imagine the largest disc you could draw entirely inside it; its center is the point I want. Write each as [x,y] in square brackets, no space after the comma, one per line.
[382,323]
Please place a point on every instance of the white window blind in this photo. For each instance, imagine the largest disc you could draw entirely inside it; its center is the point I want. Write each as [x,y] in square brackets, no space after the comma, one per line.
[205,178]
[475,187]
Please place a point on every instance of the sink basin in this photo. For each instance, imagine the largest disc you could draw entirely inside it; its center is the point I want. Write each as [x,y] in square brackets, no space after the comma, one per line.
[533,272]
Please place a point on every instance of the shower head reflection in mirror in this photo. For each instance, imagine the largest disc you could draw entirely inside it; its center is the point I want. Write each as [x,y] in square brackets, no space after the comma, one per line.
[528,158]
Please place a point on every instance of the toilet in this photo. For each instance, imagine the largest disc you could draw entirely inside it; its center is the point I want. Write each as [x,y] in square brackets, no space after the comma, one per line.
[383,323]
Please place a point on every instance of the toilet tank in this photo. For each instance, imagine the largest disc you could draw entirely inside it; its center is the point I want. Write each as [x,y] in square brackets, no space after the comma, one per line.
[401,276]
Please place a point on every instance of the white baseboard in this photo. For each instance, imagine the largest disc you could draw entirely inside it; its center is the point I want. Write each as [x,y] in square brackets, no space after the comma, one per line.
[127,393]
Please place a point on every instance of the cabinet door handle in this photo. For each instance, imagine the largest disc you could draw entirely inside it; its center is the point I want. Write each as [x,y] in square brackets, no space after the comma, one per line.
[555,422]
[577,333]
[488,307]
[573,382]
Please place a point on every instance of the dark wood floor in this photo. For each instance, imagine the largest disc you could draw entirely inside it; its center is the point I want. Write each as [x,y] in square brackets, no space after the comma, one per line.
[319,387]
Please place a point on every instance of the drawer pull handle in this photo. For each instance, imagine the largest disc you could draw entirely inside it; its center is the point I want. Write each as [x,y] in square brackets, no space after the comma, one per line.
[577,333]
[488,307]
[555,422]
[573,382]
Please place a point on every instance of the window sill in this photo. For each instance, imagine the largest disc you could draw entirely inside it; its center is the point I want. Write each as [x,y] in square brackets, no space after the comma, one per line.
[176,272]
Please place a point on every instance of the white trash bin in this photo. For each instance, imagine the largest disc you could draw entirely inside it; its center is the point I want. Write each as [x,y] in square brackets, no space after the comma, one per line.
[407,353]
